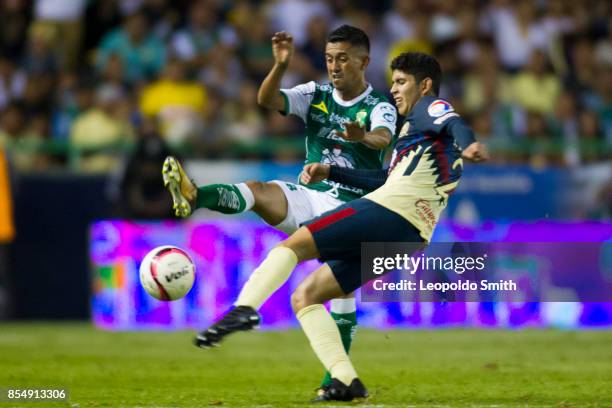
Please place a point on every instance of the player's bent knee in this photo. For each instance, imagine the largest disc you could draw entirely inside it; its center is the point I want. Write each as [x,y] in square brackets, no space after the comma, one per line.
[302,243]
[257,188]
[302,297]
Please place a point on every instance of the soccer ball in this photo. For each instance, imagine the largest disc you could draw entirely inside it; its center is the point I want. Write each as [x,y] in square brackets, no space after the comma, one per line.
[167,273]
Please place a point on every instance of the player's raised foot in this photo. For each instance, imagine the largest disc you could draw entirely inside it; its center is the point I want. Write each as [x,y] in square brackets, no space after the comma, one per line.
[240,318]
[183,190]
[338,391]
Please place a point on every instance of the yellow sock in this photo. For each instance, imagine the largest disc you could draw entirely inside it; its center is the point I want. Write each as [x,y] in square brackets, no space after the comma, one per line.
[268,277]
[325,340]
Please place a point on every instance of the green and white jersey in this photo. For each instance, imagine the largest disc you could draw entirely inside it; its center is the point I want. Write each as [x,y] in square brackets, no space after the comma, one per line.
[324,113]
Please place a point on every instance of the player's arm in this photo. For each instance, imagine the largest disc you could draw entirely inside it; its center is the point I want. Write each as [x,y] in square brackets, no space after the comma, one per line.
[431,117]
[471,149]
[269,94]
[366,179]
[376,139]
[382,128]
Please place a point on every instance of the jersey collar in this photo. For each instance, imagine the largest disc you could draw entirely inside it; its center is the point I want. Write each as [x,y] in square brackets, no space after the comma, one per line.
[355,100]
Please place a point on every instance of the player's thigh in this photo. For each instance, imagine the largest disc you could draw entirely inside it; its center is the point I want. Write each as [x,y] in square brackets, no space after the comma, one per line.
[318,287]
[300,206]
[302,244]
[270,201]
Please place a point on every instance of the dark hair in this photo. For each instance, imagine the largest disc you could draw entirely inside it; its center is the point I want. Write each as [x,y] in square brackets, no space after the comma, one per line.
[421,66]
[352,35]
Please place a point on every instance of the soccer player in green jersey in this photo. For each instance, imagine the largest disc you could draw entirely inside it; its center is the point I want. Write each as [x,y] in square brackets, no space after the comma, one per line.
[348,124]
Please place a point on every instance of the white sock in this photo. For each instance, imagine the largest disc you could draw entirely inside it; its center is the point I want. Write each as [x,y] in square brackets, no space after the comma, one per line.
[247,194]
[343,305]
[325,340]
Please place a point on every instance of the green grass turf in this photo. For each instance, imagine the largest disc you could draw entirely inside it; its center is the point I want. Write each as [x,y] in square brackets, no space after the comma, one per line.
[454,368]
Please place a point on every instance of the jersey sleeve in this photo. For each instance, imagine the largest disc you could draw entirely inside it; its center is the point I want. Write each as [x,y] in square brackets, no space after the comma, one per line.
[366,179]
[436,115]
[298,99]
[383,115]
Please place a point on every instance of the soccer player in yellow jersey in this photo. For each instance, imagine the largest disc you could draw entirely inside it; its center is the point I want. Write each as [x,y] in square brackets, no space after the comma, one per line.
[404,206]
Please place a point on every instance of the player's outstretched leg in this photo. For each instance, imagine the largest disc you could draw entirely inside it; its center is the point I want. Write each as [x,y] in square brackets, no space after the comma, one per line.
[271,274]
[186,196]
[266,199]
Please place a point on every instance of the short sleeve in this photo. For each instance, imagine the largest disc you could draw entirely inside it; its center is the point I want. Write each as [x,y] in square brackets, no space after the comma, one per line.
[298,99]
[383,115]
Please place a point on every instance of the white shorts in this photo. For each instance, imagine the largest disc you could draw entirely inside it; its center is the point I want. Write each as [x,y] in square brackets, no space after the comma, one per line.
[303,205]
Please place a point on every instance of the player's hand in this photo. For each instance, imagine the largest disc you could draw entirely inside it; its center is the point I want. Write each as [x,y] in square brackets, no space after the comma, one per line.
[476,152]
[282,48]
[353,132]
[314,172]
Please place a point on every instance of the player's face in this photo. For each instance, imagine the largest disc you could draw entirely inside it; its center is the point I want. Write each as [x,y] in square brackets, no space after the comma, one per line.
[405,91]
[346,65]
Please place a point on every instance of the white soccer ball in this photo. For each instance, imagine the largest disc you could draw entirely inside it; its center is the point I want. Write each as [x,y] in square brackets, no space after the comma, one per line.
[167,273]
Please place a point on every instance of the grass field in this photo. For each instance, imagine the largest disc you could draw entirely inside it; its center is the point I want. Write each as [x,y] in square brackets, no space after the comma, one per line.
[444,368]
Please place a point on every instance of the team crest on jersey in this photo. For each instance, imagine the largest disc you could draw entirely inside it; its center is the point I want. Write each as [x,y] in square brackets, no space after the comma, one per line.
[337,158]
[438,108]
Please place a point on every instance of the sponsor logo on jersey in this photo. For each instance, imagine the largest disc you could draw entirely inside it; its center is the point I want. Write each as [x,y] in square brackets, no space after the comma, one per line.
[438,108]
[425,213]
[320,106]
[318,117]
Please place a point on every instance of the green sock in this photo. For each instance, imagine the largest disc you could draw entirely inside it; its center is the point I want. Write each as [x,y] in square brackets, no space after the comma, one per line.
[225,198]
[347,324]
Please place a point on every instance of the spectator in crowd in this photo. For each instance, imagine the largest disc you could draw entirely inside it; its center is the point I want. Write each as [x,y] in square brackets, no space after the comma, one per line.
[100,131]
[12,81]
[14,19]
[602,102]
[24,146]
[101,17]
[177,102]
[591,138]
[294,15]
[75,96]
[141,192]
[399,21]
[64,19]
[142,54]
[255,52]
[40,56]
[517,33]
[202,34]
[536,88]
[419,41]
[244,119]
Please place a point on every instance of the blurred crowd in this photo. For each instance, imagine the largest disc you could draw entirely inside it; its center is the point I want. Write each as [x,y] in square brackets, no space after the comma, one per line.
[85,82]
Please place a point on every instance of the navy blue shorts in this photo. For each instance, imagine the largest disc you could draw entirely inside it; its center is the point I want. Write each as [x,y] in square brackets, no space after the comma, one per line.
[339,233]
